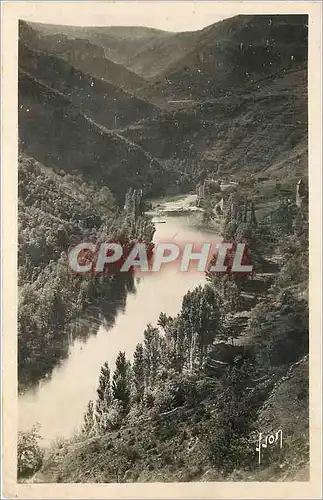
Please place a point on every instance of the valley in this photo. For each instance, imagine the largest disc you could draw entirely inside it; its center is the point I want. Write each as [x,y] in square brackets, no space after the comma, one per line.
[120,129]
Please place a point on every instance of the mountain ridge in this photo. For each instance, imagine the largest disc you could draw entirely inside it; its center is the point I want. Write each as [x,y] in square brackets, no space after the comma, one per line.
[106,103]
[83,55]
[232,55]
[134,47]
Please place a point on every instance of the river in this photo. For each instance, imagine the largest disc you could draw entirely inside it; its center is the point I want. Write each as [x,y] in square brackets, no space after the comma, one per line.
[58,403]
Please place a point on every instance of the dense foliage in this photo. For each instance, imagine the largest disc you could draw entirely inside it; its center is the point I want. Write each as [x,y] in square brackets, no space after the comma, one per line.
[29,453]
[55,213]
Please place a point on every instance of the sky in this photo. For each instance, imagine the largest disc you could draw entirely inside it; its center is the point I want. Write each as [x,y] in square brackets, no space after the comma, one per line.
[165,15]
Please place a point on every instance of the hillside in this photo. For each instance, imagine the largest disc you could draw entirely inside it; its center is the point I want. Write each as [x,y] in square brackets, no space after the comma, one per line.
[232,56]
[105,103]
[57,210]
[56,133]
[260,134]
[83,55]
[133,455]
[247,78]
[267,138]
[146,51]
[54,212]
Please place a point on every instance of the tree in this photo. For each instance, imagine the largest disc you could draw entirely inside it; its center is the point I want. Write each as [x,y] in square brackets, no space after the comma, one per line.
[152,354]
[104,398]
[122,381]
[89,419]
[104,388]
[231,295]
[167,324]
[139,371]
[246,233]
[209,319]
[200,320]
[208,213]
[163,321]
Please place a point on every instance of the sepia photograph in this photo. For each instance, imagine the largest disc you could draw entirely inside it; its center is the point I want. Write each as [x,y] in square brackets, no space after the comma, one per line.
[163,303]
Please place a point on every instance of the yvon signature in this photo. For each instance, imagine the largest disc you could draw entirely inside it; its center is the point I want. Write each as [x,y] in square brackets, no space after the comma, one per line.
[270,439]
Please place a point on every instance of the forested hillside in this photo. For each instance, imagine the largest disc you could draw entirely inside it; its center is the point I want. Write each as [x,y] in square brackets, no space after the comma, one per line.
[57,211]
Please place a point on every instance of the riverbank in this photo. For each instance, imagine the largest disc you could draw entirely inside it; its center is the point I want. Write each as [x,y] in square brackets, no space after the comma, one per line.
[184,205]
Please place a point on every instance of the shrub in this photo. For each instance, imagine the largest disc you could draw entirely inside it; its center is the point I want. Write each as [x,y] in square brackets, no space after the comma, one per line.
[113,417]
[280,331]
[228,452]
[29,453]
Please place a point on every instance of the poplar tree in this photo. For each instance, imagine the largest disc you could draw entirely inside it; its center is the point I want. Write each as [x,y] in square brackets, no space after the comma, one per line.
[122,381]
[152,354]
[139,371]
[104,389]
[200,320]
[89,420]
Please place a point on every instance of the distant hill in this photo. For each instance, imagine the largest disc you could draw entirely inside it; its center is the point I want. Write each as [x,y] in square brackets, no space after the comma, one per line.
[119,32]
[232,56]
[83,55]
[105,103]
[146,51]
[240,102]
[57,134]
